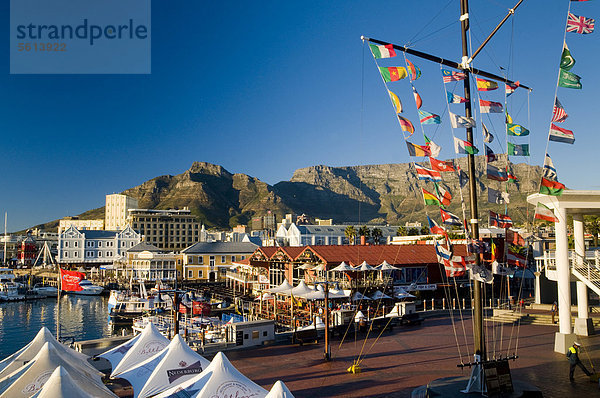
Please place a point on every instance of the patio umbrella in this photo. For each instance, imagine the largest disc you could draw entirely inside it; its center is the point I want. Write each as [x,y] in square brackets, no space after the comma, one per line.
[401,293]
[380,295]
[343,267]
[385,266]
[284,287]
[301,289]
[320,267]
[306,266]
[364,267]
[359,296]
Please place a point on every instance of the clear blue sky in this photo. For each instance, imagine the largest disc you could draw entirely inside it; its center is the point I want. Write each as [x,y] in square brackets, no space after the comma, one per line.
[266,88]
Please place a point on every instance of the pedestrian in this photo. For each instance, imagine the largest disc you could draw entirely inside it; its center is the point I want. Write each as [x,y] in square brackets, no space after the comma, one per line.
[554,311]
[573,356]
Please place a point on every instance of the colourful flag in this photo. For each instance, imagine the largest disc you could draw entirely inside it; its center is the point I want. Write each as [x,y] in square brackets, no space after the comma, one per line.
[486,85]
[566,60]
[516,259]
[511,175]
[508,118]
[553,188]
[463,178]
[500,220]
[558,114]
[441,252]
[429,118]
[434,228]
[489,106]
[452,76]
[558,134]
[487,136]
[396,102]
[449,218]
[455,99]
[510,88]
[499,269]
[417,150]
[518,149]
[514,239]
[464,147]
[413,71]
[455,267]
[578,24]
[516,130]
[434,148]
[429,198]
[444,195]
[425,174]
[496,173]
[458,121]
[490,155]
[406,125]
[498,197]
[567,79]
[386,51]
[441,165]
[549,172]
[393,73]
[418,99]
[543,212]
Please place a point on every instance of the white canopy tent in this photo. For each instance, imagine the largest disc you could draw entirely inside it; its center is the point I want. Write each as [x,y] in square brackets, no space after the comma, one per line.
[343,267]
[364,267]
[279,390]
[27,353]
[385,266]
[378,295]
[114,355]
[173,365]
[357,296]
[401,294]
[150,343]
[284,287]
[30,378]
[61,385]
[301,289]
[219,379]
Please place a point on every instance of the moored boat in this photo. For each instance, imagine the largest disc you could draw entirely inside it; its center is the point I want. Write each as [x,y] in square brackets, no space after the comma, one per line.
[8,288]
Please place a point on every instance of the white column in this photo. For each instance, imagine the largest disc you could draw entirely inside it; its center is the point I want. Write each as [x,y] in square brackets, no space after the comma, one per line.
[582,297]
[563,272]
[582,300]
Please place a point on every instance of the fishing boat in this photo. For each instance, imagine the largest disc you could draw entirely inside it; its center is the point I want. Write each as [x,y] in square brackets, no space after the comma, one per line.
[9,290]
[126,305]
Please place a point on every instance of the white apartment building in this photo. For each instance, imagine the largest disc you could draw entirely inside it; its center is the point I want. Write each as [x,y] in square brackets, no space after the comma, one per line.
[146,262]
[92,225]
[95,247]
[116,211]
[305,235]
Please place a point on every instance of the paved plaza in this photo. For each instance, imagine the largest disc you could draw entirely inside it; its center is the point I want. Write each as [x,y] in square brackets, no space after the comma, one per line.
[411,356]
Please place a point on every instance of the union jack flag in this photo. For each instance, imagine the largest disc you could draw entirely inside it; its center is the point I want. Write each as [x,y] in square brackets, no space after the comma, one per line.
[452,76]
[559,114]
[581,25]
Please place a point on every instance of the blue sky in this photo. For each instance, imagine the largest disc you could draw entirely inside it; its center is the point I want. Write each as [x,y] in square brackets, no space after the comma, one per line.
[266,88]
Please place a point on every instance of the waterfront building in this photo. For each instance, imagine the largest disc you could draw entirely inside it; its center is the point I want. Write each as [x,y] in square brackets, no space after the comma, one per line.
[304,235]
[209,261]
[92,225]
[146,262]
[27,252]
[116,211]
[170,230]
[89,247]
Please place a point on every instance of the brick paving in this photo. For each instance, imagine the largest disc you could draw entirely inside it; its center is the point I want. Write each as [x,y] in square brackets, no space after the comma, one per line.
[408,357]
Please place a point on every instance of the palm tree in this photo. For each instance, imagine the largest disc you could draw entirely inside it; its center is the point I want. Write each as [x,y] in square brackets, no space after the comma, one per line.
[424,230]
[364,231]
[401,231]
[350,233]
[376,233]
[413,231]
[592,225]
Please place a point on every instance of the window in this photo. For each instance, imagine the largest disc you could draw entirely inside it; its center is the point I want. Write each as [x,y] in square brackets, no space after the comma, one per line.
[66,244]
[200,273]
[99,243]
[66,254]
[255,334]
[223,259]
[200,259]
[75,254]
[190,273]
[211,261]
[243,257]
[232,259]
[99,254]
[75,244]
[265,333]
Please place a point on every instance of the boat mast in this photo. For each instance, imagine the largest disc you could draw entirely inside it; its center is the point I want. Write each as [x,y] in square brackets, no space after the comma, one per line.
[5,237]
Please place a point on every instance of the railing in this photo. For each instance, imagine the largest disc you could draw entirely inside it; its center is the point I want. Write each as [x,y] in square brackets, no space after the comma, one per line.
[587,271]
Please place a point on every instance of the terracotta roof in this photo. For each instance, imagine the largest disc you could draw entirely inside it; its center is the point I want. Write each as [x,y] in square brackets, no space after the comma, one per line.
[268,251]
[293,251]
[245,261]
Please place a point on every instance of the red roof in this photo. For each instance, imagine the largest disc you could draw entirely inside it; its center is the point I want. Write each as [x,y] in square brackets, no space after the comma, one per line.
[268,251]
[293,251]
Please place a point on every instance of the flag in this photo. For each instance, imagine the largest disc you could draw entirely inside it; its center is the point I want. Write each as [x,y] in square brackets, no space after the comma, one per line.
[417,150]
[413,71]
[514,238]
[429,198]
[461,121]
[578,24]
[435,228]
[455,267]
[511,175]
[510,88]
[441,165]
[553,188]
[434,148]
[393,73]
[489,106]
[516,259]
[490,155]
[455,99]
[516,130]
[549,171]
[386,51]
[486,85]
[418,99]
[500,220]
[406,125]
[452,76]
[558,134]
[463,178]
[494,251]
[396,102]
[449,218]
[498,197]
[496,173]
[444,195]
[426,174]
[441,252]
[566,59]
[464,147]
[429,118]
[487,136]
[501,270]
[518,149]
[69,280]
[558,114]
[481,274]
[569,80]
[543,212]
[508,118]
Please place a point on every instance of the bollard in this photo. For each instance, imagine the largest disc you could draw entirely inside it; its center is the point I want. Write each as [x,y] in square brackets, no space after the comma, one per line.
[464,304]
[424,305]
[443,303]
[453,303]
[432,305]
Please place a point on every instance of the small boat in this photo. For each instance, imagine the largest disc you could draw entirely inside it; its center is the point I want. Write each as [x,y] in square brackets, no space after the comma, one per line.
[124,305]
[45,290]
[87,289]
[9,290]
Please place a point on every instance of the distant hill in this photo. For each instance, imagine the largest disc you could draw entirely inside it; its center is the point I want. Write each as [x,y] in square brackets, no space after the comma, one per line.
[388,193]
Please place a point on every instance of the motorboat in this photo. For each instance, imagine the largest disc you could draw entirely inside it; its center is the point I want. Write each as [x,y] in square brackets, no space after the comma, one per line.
[87,289]
[9,290]
[45,290]
[125,305]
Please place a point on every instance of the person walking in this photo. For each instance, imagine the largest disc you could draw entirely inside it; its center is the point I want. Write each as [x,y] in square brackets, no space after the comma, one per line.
[554,311]
[573,355]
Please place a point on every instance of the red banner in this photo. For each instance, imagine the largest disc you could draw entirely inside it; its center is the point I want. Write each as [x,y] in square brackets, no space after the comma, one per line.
[69,280]
[201,308]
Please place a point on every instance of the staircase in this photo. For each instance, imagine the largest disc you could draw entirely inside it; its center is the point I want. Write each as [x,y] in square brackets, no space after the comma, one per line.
[587,272]
[514,317]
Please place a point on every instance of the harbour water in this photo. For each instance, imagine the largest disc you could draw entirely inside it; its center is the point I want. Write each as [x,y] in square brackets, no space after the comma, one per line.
[81,318]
